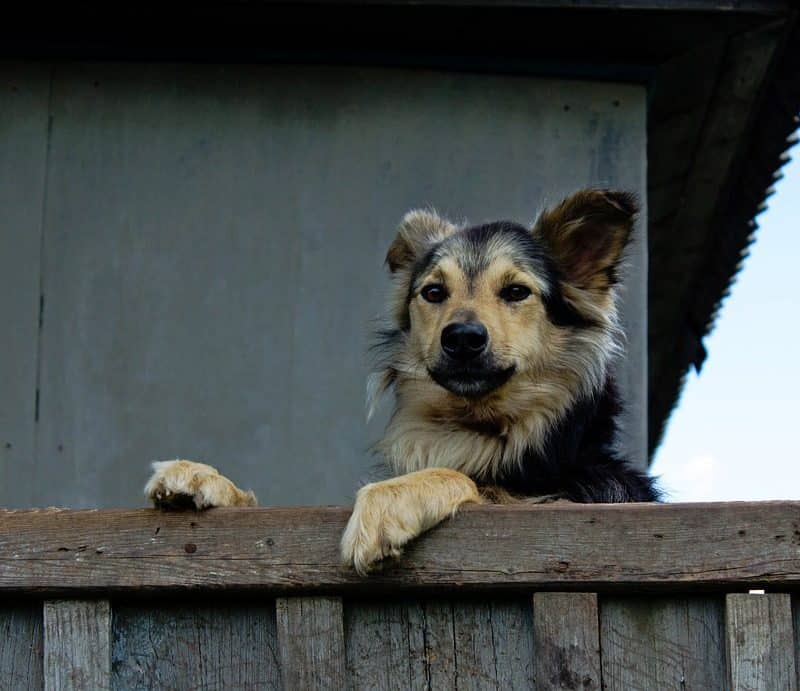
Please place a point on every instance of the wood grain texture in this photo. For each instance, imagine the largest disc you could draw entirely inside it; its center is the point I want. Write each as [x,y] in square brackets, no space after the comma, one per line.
[77,645]
[311,642]
[20,647]
[796,622]
[663,643]
[195,646]
[760,642]
[383,650]
[562,546]
[441,644]
[566,641]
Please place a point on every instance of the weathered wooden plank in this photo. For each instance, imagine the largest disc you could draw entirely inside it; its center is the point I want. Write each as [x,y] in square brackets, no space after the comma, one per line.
[311,642]
[563,546]
[767,7]
[660,8]
[726,7]
[77,645]
[796,622]
[24,93]
[433,623]
[492,645]
[461,651]
[439,644]
[663,643]
[20,647]
[512,635]
[382,650]
[566,641]
[760,642]
[190,646]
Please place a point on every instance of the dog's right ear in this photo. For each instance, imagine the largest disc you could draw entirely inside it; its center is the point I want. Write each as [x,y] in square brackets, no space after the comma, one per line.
[418,231]
[587,234]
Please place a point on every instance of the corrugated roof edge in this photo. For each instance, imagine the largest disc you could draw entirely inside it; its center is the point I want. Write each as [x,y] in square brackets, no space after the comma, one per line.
[774,132]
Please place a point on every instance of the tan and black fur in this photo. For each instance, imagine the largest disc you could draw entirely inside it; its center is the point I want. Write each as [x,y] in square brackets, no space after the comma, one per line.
[497,350]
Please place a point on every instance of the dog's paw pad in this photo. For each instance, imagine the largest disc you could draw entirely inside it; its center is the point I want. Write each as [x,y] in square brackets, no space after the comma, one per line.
[367,552]
[181,485]
[172,501]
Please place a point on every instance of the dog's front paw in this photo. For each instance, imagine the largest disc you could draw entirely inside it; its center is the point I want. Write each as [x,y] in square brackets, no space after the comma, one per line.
[388,515]
[377,528]
[185,484]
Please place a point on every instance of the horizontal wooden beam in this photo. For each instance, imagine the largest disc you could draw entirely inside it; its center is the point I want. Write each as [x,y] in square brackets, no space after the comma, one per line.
[558,546]
[711,6]
[728,6]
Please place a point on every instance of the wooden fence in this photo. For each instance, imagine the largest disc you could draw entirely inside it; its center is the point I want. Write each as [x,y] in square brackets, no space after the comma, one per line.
[560,596]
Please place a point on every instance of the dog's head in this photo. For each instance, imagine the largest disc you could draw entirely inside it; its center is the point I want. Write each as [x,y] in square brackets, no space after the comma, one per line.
[491,308]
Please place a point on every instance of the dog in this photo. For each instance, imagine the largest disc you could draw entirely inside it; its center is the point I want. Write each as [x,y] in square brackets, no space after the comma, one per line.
[498,350]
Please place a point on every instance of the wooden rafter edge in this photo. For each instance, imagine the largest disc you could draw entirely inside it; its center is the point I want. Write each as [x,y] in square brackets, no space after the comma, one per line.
[757,170]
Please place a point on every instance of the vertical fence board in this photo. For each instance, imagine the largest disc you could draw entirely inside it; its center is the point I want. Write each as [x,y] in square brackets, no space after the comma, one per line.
[382,650]
[20,648]
[566,641]
[195,646]
[796,622]
[439,644]
[432,621]
[311,642]
[77,645]
[512,636]
[492,646]
[760,637]
[662,643]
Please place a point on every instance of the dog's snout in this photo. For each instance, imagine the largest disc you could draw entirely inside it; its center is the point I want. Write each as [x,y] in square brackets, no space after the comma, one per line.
[464,341]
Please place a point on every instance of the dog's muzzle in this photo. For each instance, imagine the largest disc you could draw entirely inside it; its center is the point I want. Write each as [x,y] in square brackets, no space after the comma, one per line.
[466,367]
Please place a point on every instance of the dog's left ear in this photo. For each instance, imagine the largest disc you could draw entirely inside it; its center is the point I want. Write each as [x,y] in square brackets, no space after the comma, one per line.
[418,231]
[587,234]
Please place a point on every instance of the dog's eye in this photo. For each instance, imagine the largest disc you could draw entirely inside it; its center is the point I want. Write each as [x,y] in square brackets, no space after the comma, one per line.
[434,292]
[515,292]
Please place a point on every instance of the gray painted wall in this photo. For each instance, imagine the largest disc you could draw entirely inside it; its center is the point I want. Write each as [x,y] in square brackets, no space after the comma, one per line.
[209,243]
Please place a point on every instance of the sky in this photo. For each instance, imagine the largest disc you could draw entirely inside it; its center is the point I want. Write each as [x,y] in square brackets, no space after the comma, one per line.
[732,436]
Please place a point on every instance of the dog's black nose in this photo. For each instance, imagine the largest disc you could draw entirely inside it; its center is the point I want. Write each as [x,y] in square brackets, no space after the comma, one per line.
[464,341]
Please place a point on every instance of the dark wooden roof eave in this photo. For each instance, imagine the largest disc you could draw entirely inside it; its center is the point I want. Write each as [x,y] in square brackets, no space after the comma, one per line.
[693,266]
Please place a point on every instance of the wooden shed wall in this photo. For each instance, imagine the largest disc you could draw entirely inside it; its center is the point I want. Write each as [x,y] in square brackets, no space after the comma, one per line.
[190,255]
